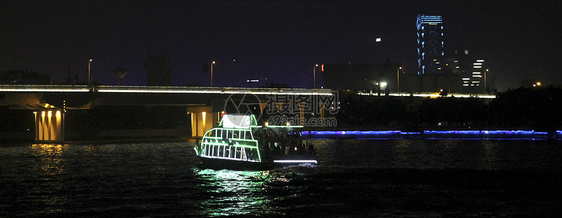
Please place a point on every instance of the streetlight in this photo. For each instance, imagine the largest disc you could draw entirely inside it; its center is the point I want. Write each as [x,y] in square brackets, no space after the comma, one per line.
[383,87]
[89,77]
[315,66]
[398,78]
[212,65]
[485,81]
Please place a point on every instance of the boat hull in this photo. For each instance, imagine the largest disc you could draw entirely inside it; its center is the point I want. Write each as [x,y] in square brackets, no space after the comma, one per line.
[279,162]
[215,163]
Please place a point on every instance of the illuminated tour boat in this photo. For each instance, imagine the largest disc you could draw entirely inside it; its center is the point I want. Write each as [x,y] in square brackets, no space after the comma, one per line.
[239,143]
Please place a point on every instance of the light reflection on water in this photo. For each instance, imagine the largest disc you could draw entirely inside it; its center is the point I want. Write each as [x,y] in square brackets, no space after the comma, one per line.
[440,154]
[51,160]
[490,154]
[232,192]
[48,169]
[256,193]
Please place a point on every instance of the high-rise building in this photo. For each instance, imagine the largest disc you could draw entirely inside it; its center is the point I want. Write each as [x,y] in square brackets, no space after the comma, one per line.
[430,44]
[157,70]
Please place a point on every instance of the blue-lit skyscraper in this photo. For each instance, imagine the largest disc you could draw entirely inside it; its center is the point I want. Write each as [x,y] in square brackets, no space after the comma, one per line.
[430,44]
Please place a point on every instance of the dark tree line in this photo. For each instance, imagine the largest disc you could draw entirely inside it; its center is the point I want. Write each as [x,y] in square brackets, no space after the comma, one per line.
[538,108]
[534,108]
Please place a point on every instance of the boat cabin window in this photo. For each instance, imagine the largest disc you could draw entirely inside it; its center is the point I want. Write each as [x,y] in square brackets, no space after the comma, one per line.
[231,133]
[218,133]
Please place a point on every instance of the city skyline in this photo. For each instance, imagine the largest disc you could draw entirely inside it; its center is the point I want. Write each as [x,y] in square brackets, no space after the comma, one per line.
[281,41]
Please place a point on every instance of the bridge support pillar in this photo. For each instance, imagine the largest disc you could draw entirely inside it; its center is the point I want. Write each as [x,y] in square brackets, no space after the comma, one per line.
[49,125]
[202,120]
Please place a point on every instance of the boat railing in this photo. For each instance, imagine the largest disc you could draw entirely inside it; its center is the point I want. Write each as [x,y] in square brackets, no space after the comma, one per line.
[230,144]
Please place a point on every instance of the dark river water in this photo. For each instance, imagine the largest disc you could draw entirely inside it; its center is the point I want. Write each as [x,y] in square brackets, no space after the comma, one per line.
[380,178]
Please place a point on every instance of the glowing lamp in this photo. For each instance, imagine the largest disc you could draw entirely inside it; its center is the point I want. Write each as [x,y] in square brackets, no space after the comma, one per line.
[383,84]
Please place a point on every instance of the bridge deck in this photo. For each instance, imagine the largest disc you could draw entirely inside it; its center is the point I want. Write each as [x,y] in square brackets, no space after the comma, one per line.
[161,89]
[84,97]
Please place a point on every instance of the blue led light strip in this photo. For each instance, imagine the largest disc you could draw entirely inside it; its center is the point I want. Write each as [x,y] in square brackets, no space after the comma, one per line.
[432,133]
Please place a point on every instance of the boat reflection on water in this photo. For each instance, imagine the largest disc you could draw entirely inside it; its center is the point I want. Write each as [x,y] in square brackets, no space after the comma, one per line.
[229,192]
[250,193]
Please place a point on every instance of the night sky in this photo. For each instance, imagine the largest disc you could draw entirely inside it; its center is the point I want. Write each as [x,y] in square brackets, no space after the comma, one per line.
[280,40]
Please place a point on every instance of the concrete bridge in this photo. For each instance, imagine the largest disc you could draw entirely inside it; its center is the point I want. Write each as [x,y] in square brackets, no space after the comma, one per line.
[204,104]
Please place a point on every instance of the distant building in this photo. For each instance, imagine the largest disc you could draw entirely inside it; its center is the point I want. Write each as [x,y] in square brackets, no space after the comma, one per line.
[476,77]
[455,78]
[157,70]
[475,80]
[430,44]
[24,77]
[445,82]
[362,77]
